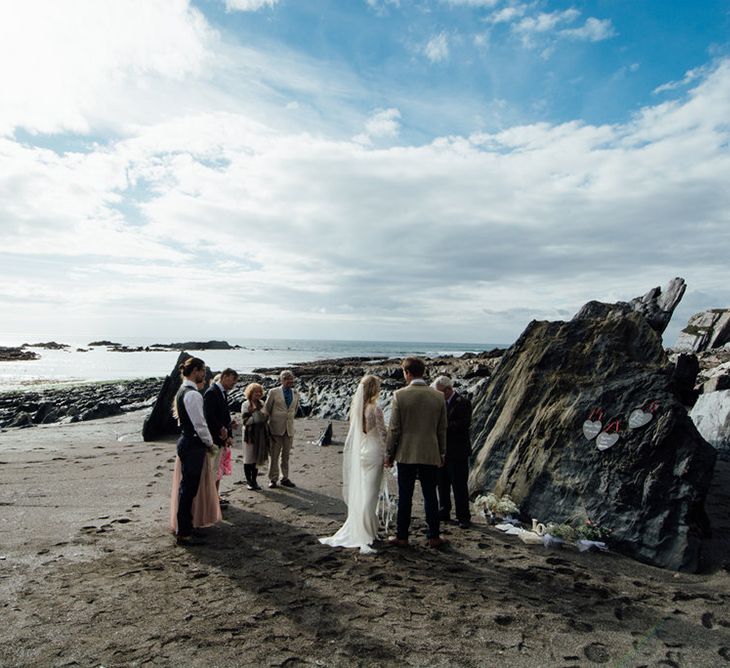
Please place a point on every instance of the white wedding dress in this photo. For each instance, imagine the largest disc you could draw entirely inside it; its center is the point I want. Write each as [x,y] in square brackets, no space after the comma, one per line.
[362,477]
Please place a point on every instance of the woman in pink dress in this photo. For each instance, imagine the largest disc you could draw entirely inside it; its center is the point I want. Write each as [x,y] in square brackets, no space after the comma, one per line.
[206,506]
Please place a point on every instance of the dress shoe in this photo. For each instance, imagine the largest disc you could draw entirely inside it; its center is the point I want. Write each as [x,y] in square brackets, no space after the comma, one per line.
[437,542]
[223,503]
[188,541]
[464,524]
[252,486]
[398,542]
[285,482]
[272,484]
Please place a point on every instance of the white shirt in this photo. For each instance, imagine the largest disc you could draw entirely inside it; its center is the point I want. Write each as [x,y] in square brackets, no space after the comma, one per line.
[193,402]
[418,381]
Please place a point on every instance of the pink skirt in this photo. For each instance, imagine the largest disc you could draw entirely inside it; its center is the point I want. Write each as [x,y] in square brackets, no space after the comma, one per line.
[206,508]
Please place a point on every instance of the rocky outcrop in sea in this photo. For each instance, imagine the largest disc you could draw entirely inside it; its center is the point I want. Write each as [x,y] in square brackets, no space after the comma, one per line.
[17,354]
[165,347]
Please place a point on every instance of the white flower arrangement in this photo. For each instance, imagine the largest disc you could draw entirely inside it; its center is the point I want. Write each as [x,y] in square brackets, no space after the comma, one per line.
[493,505]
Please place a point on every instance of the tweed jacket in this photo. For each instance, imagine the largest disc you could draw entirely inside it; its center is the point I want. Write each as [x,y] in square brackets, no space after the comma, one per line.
[417,429]
[281,418]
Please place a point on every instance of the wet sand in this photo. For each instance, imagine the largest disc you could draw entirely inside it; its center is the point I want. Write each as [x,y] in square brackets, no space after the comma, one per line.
[90,575]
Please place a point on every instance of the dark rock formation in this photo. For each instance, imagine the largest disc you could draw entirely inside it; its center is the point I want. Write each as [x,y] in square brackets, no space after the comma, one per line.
[656,306]
[711,414]
[649,488]
[705,331]
[160,422]
[12,354]
[21,421]
[51,345]
[103,343]
[325,438]
[86,401]
[327,386]
[196,345]
[686,368]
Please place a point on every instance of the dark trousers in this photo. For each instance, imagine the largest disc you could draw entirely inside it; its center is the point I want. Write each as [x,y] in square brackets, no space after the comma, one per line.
[192,458]
[454,474]
[428,475]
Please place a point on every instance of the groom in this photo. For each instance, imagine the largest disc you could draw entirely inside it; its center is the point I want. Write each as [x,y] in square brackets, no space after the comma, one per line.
[417,441]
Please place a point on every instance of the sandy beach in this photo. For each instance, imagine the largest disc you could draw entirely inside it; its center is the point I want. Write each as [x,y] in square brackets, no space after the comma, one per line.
[90,575]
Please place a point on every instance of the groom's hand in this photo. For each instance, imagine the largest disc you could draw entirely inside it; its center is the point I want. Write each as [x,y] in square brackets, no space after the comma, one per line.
[388,462]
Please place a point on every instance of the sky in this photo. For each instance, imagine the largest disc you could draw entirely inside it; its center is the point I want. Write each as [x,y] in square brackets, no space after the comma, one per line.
[413,170]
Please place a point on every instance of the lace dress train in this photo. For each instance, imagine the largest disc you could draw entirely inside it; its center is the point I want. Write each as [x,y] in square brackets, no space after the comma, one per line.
[362,482]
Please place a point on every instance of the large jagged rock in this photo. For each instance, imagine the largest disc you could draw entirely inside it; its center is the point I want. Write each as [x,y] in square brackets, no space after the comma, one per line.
[657,306]
[160,422]
[705,331]
[649,488]
[711,414]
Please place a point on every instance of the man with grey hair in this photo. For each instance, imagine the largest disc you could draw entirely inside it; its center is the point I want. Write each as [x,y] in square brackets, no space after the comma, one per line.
[454,474]
[281,405]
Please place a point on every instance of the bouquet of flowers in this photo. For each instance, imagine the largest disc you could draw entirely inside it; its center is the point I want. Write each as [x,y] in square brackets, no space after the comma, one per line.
[594,532]
[493,506]
[506,506]
[564,532]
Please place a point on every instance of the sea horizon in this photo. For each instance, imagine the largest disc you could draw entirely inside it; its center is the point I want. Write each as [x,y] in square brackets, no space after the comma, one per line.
[70,366]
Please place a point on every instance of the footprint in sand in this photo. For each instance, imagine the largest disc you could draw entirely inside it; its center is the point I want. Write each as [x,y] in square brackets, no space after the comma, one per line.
[597,652]
[582,627]
[504,620]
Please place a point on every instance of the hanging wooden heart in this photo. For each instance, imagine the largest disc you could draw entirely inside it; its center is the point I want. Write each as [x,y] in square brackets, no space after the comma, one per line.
[606,440]
[591,428]
[639,418]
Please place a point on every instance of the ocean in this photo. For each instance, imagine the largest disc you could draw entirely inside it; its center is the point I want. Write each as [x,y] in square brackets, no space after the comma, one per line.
[58,367]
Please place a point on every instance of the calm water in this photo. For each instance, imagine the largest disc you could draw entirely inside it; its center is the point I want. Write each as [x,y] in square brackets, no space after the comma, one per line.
[58,366]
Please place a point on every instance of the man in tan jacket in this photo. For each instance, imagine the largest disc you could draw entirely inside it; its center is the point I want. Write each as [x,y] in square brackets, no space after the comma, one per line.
[281,405]
[417,441]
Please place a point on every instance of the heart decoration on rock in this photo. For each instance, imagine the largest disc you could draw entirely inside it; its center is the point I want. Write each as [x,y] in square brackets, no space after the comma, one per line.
[606,440]
[641,417]
[609,437]
[593,425]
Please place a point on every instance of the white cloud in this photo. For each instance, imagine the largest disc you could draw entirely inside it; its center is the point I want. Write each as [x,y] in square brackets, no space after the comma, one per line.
[248,5]
[380,7]
[56,77]
[471,3]
[507,14]
[545,21]
[593,30]
[481,40]
[437,48]
[384,123]
[229,204]
[534,215]
[689,77]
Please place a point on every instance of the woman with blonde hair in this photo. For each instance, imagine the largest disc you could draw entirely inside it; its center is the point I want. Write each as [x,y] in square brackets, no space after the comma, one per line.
[256,437]
[362,469]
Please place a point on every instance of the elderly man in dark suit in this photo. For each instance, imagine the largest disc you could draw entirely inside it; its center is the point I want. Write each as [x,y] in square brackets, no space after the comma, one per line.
[218,416]
[455,472]
[417,441]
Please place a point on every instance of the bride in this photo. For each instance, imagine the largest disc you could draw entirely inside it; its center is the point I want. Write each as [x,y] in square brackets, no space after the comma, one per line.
[362,469]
